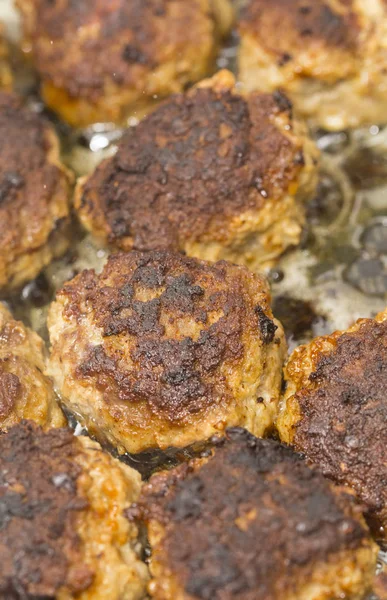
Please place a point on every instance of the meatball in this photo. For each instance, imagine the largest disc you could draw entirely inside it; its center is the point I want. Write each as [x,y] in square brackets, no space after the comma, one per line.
[335,410]
[210,173]
[25,392]
[162,350]
[253,522]
[5,71]
[102,61]
[63,532]
[329,56]
[34,194]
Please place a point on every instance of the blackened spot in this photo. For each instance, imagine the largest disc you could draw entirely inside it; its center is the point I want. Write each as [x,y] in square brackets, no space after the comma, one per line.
[266,325]
[11,180]
[187,502]
[131,54]
[283,102]
[285,58]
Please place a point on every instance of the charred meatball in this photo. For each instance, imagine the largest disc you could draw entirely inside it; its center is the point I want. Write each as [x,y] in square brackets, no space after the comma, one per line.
[210,173]
[25,392]
[161,350]
[335,410]
[5,71]
[329,56]
[253,522]
[101,61]
[63,532]
[34,194]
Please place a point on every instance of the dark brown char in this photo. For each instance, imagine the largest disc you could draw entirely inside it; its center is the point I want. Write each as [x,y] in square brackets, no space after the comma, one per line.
[235,525]
[38,507]
[177,377]
[344,414]
[302,22]
[191,166]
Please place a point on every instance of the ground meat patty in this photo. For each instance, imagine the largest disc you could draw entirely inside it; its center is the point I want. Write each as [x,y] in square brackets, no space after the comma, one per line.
[34,194]
[335,410]
[210,173]
[100,61]
[329,56]
[63,532]
[25,392]
[162,350]
[253,522]
[5,71]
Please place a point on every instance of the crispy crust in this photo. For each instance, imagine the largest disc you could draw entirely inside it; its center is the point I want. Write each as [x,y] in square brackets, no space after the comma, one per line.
[208,173]
[335,410]
[253,522]
[107,60]
[37,534]
[47,491]
[325,24]
[5,71]
[165,350]
[34,194]
[25,393]
[330,57]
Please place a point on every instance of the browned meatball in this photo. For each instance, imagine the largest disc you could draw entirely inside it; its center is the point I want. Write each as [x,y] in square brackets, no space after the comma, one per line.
[34,194]
[63,532]
[253,522]
[162,350]
[329,56]
[101,61]
[210,173]
[25,392]
[335,410]
[5,71]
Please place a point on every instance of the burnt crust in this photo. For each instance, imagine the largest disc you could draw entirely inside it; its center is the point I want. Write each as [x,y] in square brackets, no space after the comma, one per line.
[331,24]
[175,372]
[25,174]
[29,179]
[38,508]
[235,524]
[131,39]
[192,166]
[344,413]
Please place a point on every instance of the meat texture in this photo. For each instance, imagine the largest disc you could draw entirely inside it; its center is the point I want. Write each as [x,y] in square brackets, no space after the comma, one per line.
[35,193]
[63,533]
[162,350]
[253,522]
[210,173]
[6,78]
[101,61]
[25,392]
[335,410]
[329,56]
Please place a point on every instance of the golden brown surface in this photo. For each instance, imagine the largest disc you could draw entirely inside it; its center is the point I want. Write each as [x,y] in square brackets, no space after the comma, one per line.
[34,194]
[335,410]
[63,532]
[5,71]
[162,350]
[330,56]
[25,392]
[100,61]
[210,173]
[253,522]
